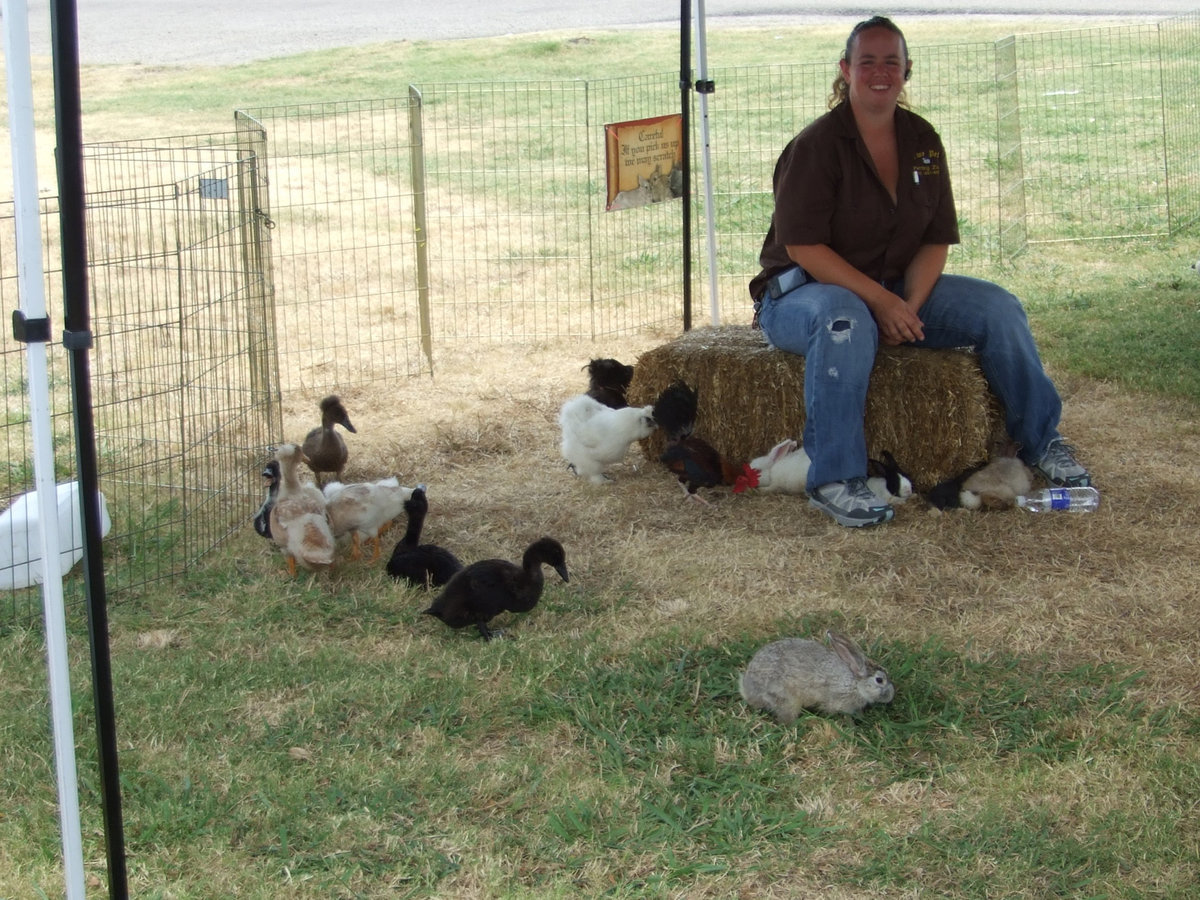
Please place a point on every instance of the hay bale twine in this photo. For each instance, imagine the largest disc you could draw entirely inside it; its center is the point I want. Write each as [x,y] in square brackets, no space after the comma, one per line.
[931,408]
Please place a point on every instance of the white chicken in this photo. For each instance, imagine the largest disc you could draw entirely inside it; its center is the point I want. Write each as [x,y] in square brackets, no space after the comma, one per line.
[595,436]
[298,521]
[363,510]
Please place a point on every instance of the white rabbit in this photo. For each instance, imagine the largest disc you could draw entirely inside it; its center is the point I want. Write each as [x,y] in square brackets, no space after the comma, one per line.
[794,674]
[784,468]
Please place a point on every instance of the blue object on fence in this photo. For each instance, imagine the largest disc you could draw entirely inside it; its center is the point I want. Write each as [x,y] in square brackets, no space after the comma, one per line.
[214,188]
[21,536]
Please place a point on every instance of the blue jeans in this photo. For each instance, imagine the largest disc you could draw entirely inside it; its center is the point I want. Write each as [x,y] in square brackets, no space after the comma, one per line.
[834,331]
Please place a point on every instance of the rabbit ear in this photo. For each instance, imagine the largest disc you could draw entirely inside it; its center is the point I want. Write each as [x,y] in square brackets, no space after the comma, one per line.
[849,653]
[782,449]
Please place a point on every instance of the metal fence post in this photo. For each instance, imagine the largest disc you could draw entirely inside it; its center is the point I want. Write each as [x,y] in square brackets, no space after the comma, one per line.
[254,214]
[420,223]
[1010,173]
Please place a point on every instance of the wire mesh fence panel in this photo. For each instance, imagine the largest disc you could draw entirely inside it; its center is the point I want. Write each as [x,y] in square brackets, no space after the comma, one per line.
[954,87]
[637,270]
[177,322]
[753,114]
[520,244]
[1092,130]
[180,408]
[1181,116]
[343,242]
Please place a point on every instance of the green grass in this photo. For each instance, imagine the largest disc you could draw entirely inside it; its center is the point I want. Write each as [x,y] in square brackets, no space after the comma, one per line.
[1126,313]
[335,745]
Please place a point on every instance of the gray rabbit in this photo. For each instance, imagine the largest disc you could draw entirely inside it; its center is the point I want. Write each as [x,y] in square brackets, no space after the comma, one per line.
[793,674]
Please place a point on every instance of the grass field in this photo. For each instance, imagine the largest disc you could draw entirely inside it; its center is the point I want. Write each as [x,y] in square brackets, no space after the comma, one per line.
[320,737]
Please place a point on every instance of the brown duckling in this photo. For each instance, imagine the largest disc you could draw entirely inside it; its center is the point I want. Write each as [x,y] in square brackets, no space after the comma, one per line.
[484,589]
[324,449]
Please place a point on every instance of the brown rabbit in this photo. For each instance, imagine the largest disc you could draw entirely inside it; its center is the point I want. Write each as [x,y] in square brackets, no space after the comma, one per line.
[998,484]
[793,674]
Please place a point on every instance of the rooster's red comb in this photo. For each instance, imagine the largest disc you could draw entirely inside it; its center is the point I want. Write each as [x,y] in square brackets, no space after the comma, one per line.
[748,479]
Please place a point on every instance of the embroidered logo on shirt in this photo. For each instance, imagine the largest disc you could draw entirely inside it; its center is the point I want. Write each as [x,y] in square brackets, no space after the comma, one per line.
[926,163]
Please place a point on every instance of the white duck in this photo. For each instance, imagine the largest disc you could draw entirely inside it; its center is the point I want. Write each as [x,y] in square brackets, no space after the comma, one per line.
[364,510]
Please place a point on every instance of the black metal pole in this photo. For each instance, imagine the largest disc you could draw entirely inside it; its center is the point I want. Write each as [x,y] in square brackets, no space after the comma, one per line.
[685,90]
[77,340]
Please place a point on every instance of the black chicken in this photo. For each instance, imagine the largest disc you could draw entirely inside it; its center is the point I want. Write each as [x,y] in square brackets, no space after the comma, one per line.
[425,565]
[608,381]
[694,461]
[675,411]
[484,589]
[262,519]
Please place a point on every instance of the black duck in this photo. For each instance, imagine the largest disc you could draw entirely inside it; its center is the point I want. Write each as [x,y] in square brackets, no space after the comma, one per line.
[487,588]
[425,565]
[262,519]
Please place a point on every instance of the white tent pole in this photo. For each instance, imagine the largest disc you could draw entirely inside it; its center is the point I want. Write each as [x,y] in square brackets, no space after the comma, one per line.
[705,89]
[31,288]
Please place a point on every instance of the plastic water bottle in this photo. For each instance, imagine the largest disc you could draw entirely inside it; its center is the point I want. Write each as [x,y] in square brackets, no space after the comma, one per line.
[1071,499]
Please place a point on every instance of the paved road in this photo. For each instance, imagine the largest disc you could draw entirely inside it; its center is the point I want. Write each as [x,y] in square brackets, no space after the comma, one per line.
[220,32]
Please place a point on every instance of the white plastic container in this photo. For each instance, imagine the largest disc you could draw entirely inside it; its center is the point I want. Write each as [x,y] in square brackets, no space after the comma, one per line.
[21,536]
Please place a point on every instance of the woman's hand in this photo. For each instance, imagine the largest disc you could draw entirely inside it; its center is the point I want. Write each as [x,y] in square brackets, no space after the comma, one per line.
[896,319]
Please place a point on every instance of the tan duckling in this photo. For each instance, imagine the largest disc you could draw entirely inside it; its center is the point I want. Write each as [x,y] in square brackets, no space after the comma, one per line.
[364,510]
[298,521]
[324,449]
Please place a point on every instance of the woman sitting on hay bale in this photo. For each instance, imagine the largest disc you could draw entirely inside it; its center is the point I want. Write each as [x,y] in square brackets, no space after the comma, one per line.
[864,217]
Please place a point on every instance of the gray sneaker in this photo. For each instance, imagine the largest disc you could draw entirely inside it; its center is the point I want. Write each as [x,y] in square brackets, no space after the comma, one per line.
[1060,467]
[851,503]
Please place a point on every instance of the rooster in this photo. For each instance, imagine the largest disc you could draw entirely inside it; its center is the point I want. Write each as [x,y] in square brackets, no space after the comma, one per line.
[595,436]
[697,463]
[608,380]
[694,461]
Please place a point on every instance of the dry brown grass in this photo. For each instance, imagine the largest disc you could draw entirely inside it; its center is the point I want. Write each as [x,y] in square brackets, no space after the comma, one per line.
[1116,586]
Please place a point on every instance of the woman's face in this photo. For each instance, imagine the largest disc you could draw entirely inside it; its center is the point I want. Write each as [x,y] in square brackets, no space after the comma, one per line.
[875,71]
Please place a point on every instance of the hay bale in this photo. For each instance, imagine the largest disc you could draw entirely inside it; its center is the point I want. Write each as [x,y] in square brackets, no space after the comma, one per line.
[931,408]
